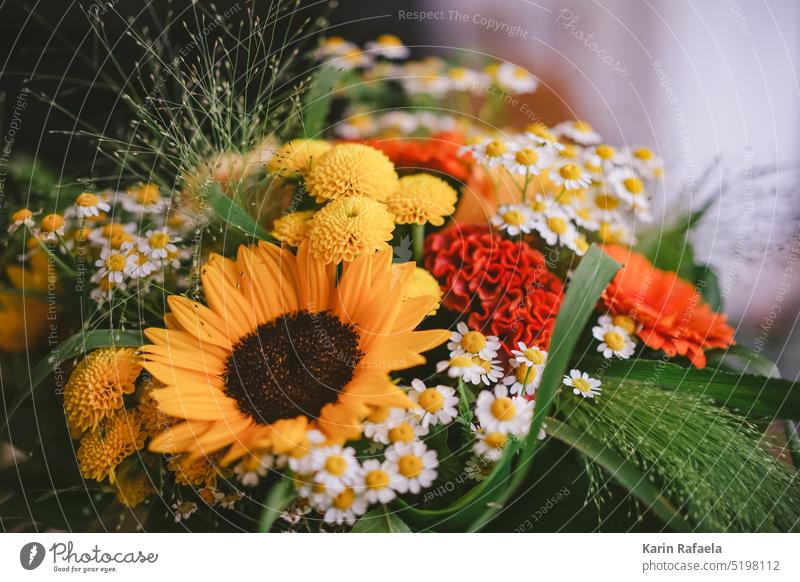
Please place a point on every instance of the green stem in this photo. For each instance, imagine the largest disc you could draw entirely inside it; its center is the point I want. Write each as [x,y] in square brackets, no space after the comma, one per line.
[418,241]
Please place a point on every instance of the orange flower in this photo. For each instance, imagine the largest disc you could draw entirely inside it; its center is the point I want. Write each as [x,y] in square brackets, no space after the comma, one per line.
[437,153]
[670,314]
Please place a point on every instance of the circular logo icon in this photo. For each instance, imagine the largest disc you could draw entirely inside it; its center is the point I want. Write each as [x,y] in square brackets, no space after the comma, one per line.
[31,555]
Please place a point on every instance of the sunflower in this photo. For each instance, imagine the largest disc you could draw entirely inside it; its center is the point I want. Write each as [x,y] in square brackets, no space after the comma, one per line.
[95,388]
[282,348]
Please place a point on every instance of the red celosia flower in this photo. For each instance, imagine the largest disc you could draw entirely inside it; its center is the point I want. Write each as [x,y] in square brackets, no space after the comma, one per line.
[671,314]
[438,153]
[503,285]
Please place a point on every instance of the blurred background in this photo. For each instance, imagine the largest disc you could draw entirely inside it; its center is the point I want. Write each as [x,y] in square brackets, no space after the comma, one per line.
[712,86]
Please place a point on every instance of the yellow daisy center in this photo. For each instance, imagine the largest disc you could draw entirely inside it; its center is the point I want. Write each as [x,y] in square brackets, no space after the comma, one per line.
[22,215]
[473,342]
[402,433]
[557,225]
[633,185]
[583,385]
[538,205]
[570,172]
[496,440]
[526,156]
[495,149]
[569,151]
[625,322]
[540,130]
[485,365]
[336,465]
[52,222]
[158,240]
[605,151]
[525,374]
[534,355]
[614,340]
[116,262]
[345,499]
[87,199]
[582,126]
[514,218]
[146,194]
[377,479]
[431,400]
[643,153]
[461,362]
[410,466]
[389,40]
[503,409]
[606,201]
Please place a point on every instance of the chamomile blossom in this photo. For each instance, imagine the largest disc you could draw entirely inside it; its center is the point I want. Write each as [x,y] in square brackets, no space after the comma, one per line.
[542,136]
[413,465]
[161,243]
[527,160]
[115,264]
[381,420]
[582,384]
[407,430]
[468,342]
[20,218]
[388,46]
[88,205]
[335,467]
[334,46]
[644,161]
[144,264]
[626,322]
[568,175]
[578,131]
[431,84]
[464,367]
[490,153]
[627,185]
[464,79]
[614,341]
[52,226]
[437,405]
[555,227]
[378,478]
[530,356]
[489,372]
[346,507]
[515,219]
[523,380]
[143,199]
[515,79]
[250,470]
[585,216]
[498,412]
[183,510]
[490,445]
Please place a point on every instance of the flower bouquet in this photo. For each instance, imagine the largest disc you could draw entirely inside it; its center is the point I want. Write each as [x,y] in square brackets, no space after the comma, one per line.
[367,299]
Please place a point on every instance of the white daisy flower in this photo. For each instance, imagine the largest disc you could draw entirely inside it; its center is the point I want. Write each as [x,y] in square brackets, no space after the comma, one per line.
[627,185]
[88,205]
[388,46]
[497,412]
[357,126]
[160,243]
[144,265]
[113,234]
[400,121]
[413,465]
[585,216]
[252,469]
[381,420]
[144,199]
[434,85]
[115,264]
[615,341]
[524,380]
[334,46]
[345,507]
[490,445]
[408,429]
[183,510]
[527,160]
[490,153]
[464,79]
[335,467]
[626,322]
[583,384]
[464,367]
[318,496]
[643,160]
[514,219]
[557,228]
[463,342]
[569,175]
[22,217]
[515,79]
[302,460]
[530,356]
[578,131]
[542,136]
[437,405]
[378,479]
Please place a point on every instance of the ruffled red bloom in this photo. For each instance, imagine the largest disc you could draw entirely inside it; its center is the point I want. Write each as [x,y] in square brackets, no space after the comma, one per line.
[438,153]
[503,285]
[671,314]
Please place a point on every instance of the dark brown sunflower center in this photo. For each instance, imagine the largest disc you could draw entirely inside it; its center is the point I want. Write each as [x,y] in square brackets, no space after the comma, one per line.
[291,366]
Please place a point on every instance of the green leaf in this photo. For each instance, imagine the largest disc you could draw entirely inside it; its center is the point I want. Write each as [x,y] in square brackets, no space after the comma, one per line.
[80,343]
[317,102]
[381,520]
[233,214]
[706,279]
[757,396]
[278,498]
[742,358]
[625,473]
[476,508]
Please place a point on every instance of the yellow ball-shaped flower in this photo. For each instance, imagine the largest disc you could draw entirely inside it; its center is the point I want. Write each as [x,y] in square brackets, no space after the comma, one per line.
[352,170]
[422,284]
[422,198]
[293,228]
[297,157]
[349,227]
[103,449]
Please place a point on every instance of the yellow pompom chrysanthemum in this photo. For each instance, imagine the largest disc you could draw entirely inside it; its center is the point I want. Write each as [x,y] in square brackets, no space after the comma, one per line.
[95,388]
[201,470]
[103,449]
[349,227]
[297,157]
[293,228]
[422,198]
[423,284]
[352,169]
[133,484]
